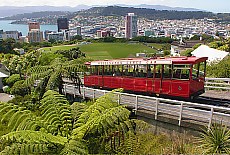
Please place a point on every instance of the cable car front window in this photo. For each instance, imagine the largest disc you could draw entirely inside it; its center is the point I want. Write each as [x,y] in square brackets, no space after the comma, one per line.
[181,72]
[202,70]
[195,71]
[94,70]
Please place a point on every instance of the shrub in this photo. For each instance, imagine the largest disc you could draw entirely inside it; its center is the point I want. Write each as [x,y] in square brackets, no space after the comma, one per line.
[216,140]
[19,88]
[12,79]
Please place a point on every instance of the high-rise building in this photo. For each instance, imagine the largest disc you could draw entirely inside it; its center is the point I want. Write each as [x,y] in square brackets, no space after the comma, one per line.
[62,24]
[35,35]
[79,30]
[33,25]
[131,26]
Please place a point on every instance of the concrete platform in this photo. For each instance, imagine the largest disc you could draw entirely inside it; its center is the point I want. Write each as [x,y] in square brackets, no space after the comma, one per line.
[5,97]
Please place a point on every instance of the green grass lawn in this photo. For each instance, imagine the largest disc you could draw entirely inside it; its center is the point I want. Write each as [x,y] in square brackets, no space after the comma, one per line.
[157,46]
[108,50]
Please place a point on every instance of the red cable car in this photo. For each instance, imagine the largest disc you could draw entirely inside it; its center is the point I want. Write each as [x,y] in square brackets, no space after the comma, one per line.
[170,76]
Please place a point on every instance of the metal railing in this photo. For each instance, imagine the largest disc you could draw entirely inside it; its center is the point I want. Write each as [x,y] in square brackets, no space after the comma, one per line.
[179,110]
[217,83]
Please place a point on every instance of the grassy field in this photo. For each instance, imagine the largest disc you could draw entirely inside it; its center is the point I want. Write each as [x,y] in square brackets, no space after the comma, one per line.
[158,46]
[108,50]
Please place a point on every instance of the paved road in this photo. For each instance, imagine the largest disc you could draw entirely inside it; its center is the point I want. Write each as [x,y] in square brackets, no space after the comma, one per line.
[5,97]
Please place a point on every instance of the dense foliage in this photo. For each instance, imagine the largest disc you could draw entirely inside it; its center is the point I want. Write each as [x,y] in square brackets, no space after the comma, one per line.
[216,140]
[12,79]
[153,40]
[221,69]
[54,129]
[71,54]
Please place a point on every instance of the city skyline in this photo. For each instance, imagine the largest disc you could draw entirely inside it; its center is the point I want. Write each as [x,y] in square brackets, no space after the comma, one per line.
[214,6]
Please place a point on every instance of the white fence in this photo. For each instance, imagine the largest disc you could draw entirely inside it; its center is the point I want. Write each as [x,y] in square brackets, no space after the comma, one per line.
[217,83]
[179,110]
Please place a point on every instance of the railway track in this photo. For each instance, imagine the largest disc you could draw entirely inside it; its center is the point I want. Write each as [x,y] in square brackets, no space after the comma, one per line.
[213,101]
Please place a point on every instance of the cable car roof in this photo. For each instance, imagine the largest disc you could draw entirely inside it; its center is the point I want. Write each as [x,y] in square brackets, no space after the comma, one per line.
[143,61]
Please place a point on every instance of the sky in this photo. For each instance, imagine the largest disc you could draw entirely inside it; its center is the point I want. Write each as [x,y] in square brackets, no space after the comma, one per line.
[209,5]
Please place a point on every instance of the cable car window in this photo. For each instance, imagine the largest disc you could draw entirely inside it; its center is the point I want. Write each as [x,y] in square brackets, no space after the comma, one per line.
[100,70]
[140,71]
[195,71]
[202,70]
[128,70]
[181,72]
[88,70]
[94,70]
[117,70]
[167,71]
[150,69]
[158,70]
[107,70]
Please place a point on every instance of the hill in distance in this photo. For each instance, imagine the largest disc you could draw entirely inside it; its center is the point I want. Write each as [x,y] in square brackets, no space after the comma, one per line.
[145,13]
[151,14]
[6,11]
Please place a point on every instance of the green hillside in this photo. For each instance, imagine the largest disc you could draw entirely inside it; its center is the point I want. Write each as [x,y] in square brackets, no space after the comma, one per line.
[108,50]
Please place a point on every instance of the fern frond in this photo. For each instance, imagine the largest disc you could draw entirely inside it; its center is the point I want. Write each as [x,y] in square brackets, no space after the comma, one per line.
[101,104]
[29,136]
[104,121]
[75,147]
[54,80]
[77,109]
[55,110]
[38,69]
[36,76]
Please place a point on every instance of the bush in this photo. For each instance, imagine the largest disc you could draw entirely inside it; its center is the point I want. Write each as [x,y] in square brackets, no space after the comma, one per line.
[6,89]
[29,101]
[19,88]
[12,79]
[216,140]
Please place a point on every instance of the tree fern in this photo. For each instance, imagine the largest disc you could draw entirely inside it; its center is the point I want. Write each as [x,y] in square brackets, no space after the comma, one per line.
[19,118]
[29,136]
[24,149]
[36,76]
[38,69]
[75,147]
[28,142]
[99,118]
[55,81]
[77,109]
[56,111]
[101,104]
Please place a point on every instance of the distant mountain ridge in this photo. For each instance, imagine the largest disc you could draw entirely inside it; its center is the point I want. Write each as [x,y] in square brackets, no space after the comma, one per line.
[6,11]
[145,13]
[160,7]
